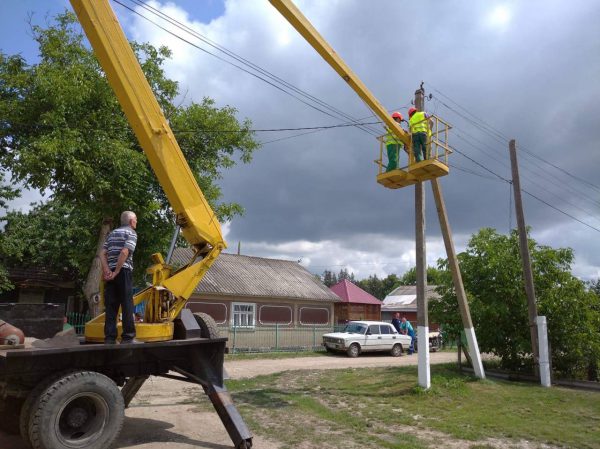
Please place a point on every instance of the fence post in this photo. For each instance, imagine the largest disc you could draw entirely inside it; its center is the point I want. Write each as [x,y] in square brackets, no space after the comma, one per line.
[277,336]
[234,335]
[314,337]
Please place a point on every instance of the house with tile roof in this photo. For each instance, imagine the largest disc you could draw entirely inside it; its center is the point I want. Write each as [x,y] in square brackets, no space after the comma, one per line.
[248,292]
[356,304]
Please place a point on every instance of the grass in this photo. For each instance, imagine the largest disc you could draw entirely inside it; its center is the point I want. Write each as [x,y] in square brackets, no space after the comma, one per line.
[382,408]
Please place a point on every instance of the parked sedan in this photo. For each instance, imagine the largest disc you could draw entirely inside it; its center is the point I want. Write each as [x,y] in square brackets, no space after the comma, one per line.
[367,336]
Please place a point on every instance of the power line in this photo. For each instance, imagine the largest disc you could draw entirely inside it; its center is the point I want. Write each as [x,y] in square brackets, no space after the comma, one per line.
[483,125]
[337,113]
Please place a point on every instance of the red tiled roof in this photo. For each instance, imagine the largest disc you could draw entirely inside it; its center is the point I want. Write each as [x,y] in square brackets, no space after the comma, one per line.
[352,293]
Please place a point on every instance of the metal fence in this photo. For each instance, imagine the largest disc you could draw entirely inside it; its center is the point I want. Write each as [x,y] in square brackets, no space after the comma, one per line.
[253,339]
[78,320]
[274,338]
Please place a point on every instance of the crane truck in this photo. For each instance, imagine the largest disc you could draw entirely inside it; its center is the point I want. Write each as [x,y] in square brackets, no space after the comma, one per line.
[65,398]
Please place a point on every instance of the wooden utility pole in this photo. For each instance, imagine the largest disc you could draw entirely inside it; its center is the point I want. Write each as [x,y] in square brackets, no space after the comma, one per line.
[459,288]
[421,271]
[525,259]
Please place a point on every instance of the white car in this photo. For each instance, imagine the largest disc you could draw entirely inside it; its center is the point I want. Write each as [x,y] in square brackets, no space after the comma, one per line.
[366,336]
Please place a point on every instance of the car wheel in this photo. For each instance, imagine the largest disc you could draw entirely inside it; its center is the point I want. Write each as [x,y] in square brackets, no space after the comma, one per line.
[396,350]
[329,350]
[353,350]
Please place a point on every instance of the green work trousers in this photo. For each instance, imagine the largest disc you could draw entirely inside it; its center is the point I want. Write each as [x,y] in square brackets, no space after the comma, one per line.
[392,150]
[419,141]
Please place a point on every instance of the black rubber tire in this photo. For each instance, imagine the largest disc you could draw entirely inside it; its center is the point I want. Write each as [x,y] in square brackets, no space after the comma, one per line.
[31,399]
[10,409]
[354,350]
[396,350]
[83,409]
[329,350]
[208,327]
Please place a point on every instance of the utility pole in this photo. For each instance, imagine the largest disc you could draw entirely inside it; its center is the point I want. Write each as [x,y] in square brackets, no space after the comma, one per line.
[525,259]
[459,287]
[424,374]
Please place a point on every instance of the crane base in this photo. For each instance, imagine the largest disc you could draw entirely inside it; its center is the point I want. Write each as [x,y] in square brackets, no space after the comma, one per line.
[94,331]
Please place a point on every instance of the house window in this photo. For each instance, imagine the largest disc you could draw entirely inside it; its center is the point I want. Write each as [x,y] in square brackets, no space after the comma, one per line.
[243,314]
[314,316]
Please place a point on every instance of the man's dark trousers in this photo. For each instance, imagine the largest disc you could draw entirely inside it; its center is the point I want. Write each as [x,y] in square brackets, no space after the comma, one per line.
[119,292]
[419,141]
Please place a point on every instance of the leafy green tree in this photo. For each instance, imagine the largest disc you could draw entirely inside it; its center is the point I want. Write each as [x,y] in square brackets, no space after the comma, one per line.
[492,275]
[343,274]
[379,288]
[410,277]
[329,278]
[62,131]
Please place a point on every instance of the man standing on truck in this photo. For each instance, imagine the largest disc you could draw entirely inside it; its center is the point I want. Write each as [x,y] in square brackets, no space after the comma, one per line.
[117,266]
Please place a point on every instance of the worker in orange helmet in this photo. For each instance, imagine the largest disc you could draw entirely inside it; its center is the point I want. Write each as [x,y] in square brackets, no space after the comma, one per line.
[392,144]
[421,132]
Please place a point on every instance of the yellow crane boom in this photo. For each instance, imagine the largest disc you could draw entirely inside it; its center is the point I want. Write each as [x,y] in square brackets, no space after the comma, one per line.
[198,222]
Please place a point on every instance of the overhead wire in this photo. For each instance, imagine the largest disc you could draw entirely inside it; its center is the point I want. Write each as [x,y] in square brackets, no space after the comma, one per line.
[337,113]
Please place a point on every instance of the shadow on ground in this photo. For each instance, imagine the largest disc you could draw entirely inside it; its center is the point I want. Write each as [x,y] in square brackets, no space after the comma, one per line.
[139,431]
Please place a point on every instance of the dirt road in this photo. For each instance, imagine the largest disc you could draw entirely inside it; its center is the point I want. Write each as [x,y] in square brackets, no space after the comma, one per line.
[158,417]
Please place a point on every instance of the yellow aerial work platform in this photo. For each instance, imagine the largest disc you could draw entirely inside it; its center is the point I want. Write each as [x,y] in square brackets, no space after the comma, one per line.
[434,166]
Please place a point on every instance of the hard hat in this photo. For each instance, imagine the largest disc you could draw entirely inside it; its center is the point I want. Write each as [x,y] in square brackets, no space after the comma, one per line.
[397,115]
[411,111]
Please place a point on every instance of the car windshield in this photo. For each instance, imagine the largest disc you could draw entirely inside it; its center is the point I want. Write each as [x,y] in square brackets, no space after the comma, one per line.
[355,328]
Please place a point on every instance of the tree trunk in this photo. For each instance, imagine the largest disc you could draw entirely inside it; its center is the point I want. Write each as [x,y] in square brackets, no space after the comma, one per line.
[91,288]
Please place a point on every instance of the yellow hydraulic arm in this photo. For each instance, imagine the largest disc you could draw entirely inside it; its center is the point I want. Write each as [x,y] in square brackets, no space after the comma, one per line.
[198,222]
[416,172]
[295,17]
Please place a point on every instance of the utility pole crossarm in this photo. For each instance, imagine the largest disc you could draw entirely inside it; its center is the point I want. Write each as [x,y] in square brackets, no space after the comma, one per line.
[312,36]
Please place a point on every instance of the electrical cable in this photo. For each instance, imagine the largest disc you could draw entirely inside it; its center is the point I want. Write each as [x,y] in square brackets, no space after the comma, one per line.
[240,59]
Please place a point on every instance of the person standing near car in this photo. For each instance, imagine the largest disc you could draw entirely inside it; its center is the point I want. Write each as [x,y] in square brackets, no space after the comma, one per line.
[396,322]
[407,329]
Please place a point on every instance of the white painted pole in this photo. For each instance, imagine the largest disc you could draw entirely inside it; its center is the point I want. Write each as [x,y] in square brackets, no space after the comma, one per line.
[544,354]
[423,363]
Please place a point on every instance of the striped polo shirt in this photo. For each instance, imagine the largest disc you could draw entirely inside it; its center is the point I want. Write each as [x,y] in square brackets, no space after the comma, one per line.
[123,237]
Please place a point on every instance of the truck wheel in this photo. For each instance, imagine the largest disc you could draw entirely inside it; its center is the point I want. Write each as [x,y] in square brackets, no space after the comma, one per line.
[10,408]
[353,350]
[208,327]
[396,350]
[83,409]
[31,399]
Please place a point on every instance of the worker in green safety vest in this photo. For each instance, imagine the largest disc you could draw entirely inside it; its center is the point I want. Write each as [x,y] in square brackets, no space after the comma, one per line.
[393,145]
[421,133]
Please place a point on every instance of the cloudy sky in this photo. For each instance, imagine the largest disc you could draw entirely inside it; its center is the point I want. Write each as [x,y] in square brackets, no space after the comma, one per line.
[496,70]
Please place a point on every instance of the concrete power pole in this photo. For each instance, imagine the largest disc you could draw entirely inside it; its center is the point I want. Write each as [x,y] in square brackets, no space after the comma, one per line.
[421,272]
[525,259]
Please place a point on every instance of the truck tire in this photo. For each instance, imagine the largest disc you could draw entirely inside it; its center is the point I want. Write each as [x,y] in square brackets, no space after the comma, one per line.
[83,409]
[208,327]
[31,399]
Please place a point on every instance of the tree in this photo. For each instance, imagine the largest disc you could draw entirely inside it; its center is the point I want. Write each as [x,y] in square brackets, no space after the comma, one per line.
[410,277]
[343,274]
[379,288]
[493,279]
[62,131]
[329,278]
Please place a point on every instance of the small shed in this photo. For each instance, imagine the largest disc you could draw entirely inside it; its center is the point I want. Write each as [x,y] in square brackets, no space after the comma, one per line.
[404,300]
[356,303]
